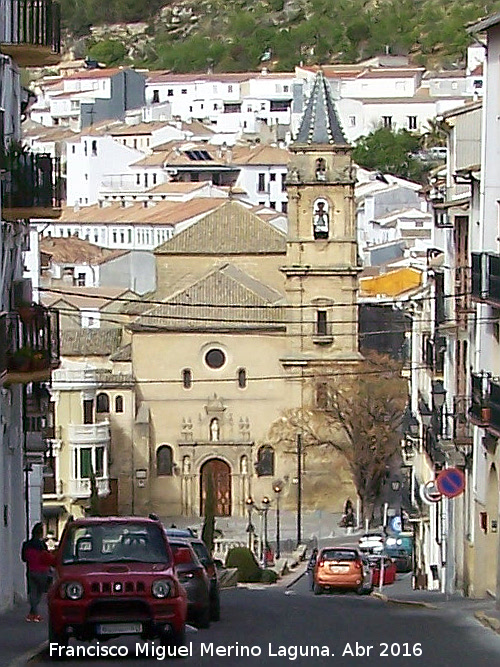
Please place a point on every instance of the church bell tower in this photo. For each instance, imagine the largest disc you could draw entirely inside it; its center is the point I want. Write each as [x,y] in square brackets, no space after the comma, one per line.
[321,271]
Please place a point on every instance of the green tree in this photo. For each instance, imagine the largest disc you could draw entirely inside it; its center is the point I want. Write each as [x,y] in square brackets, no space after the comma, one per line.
[111,52]
[391,152]
[208,530]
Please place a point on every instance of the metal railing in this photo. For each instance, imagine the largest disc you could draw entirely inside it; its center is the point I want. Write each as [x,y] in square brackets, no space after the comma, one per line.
[494,403]
[34,22]
[32,342]
[31,181]
[479,397]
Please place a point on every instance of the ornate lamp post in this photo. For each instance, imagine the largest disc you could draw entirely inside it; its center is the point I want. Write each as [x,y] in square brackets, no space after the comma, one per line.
[250,527]
[265,508]
[277,490]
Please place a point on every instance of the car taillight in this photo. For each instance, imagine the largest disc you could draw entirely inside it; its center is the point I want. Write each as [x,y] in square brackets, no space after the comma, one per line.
[210,570]
[358,564]
[321,563]
[200,573]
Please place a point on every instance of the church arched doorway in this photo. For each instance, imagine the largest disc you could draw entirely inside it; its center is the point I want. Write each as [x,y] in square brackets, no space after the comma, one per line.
[220,472]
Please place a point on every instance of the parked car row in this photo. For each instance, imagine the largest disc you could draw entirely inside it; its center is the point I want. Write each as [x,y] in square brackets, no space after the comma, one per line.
[125,575]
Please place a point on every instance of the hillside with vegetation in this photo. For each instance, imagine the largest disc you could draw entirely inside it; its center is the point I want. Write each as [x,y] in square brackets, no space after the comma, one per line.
[238,35]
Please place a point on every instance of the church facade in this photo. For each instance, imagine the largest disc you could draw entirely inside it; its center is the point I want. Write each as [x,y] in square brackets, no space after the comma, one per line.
[245,323]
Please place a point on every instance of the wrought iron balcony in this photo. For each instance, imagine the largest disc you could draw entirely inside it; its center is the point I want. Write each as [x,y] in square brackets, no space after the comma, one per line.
[32,345]
[31,186]
[480,407]
[462,431]
[486,277]
[494,404]
[3,345]
[30,31]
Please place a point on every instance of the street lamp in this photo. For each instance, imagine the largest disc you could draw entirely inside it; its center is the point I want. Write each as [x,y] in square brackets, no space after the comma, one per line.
[265,508]
[250,527]
[438,394]
[277,490]
[425,414]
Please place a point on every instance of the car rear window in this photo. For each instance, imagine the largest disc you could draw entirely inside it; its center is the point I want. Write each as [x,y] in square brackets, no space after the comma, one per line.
[202,552]
[175,546]
[339,554]
[114,542]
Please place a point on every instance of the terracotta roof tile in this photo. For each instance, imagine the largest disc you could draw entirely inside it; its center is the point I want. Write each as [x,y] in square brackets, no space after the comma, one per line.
[157,213]
[73,250]
[223,288]
[90,342]
[230,229]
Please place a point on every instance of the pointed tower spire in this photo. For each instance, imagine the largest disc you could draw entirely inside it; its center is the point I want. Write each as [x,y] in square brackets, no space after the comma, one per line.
[320,123]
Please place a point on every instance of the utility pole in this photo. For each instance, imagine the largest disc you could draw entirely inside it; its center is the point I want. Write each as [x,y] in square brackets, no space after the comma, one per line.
[299,488]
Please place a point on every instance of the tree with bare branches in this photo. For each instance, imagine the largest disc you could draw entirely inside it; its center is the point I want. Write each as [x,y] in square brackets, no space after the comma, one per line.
[358,416]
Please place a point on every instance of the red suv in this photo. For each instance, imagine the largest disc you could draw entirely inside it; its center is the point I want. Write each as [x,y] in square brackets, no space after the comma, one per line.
[116,576]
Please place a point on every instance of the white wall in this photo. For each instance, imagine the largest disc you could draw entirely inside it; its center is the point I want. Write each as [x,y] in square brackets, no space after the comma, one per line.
[86,166]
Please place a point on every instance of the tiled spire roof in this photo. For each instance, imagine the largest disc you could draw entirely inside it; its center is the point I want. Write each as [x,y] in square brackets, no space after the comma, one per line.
[320,123]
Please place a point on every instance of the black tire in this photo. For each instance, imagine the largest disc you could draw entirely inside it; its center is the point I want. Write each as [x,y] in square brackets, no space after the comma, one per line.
[360,590]
[215,608]
[175,639]
[203,618]
[317,589]
[59,638]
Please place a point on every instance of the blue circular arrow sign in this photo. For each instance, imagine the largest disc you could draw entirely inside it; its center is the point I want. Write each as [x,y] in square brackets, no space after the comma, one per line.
[451,482]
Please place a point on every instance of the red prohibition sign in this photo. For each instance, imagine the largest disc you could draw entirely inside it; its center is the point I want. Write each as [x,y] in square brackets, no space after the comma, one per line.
[451,482]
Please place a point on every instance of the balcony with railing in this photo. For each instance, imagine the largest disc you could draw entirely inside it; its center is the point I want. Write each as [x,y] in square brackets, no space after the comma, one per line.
[30,31]
[462,431]
[81,488]
[31,344]
[479,407]
[494,405]
[89,434]
[31,185]
[486,277]
[3,345]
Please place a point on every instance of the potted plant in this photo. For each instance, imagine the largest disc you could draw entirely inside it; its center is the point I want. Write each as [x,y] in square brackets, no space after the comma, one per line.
[27,312]
[21,359]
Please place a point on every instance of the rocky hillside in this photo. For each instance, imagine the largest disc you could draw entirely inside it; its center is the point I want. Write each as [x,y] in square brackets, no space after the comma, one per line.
[237,35]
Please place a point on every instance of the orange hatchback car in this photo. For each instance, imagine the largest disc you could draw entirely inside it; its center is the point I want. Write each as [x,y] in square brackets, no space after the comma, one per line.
[338,567]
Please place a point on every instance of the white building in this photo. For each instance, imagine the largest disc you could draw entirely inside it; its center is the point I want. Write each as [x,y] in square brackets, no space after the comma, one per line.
[22,405]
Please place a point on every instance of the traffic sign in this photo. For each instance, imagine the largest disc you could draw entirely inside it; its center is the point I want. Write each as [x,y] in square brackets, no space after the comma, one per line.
[429,492]
[395,524]
[451,482]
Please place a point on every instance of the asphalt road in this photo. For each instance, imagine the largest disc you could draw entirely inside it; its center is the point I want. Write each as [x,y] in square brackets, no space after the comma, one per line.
[343,626]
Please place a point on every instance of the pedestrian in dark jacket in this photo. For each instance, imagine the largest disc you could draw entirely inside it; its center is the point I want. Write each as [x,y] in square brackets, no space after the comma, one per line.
[38,561]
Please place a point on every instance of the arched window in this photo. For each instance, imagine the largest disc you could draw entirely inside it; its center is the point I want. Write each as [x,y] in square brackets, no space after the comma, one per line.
[119,404]
[242,378]
[320,169]
[164,460]
[244,465]
[265,461]
[102,403]
[187,378]
[321,219]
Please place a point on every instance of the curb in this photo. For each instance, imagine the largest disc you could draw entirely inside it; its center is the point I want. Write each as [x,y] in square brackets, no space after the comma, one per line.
[30,655]
[404,603]
[488,621]
[295,580]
